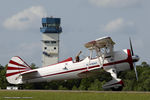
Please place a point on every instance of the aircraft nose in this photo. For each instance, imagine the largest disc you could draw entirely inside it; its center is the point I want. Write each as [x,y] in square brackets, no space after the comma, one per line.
[135,58]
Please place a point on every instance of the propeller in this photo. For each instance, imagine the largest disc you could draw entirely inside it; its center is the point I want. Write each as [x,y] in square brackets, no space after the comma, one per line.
[131,47]
[134,64]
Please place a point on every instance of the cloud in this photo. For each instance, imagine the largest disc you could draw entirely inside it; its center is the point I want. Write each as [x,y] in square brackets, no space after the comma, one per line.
[30,52]
[25,19]
[118,25]
[28,49]
[115,3]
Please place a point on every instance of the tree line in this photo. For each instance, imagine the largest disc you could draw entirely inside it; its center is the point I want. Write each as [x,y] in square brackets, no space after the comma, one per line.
[90,83]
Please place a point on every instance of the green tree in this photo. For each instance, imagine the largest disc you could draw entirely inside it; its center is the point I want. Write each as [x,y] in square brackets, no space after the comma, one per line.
[85,83]
[144,64]
[96,85]
[92,83]
[74,88]
[33,66]
[62,88]
[3,81]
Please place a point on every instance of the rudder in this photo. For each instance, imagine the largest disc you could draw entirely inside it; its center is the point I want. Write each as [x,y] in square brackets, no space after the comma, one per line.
[15,67]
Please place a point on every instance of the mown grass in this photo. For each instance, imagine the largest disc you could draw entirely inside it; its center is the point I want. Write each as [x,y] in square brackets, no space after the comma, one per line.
[67,95]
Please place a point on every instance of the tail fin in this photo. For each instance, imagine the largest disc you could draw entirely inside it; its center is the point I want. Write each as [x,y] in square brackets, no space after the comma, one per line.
[15,67]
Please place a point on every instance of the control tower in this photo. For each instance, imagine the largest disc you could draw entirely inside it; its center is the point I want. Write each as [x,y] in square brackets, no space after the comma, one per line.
[50,40]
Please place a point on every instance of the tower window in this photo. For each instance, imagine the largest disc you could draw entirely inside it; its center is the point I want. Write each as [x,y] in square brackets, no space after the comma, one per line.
[53,42]
[44,25]
[45,48]
[46,41]
[54,48]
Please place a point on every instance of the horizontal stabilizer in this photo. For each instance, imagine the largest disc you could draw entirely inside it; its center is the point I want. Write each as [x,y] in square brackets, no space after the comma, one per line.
[29,75]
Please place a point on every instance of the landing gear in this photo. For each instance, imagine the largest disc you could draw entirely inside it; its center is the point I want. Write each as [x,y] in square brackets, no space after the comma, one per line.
[117,88]
[114,85]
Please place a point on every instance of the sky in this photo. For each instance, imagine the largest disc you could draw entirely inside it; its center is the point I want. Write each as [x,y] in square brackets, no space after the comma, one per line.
[81,21]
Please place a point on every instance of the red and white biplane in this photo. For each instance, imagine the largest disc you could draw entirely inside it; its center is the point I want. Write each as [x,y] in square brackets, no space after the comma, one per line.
[19,72]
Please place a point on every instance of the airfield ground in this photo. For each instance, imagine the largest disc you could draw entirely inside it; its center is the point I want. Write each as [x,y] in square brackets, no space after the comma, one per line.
[71,95]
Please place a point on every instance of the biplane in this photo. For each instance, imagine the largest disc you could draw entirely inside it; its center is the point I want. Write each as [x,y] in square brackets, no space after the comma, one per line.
[105,58]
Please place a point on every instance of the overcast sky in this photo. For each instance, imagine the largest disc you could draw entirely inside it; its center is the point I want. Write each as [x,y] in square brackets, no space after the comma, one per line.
[81,21]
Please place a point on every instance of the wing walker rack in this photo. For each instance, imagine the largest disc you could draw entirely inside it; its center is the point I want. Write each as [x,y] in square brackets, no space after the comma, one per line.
[104,48]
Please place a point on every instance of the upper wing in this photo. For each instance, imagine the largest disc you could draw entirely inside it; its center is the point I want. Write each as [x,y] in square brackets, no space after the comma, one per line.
[100,43]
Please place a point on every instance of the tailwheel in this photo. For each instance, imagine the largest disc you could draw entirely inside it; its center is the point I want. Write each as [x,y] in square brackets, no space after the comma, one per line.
[117,88]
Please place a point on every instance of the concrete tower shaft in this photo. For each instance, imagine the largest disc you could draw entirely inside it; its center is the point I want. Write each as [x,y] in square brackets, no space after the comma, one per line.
[50,40]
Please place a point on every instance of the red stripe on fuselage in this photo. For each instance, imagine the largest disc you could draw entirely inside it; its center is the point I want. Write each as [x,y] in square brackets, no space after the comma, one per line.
[71,71]
[85,68]
[128,60]
[66,60]
[117,62]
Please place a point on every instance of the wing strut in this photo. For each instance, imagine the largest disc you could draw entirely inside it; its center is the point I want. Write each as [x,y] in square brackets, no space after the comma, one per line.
[100,55]
[91,53]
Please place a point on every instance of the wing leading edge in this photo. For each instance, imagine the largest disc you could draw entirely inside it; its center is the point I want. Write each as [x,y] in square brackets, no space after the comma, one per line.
[100,42]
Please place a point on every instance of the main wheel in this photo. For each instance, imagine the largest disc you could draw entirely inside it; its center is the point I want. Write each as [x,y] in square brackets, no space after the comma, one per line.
[117,88]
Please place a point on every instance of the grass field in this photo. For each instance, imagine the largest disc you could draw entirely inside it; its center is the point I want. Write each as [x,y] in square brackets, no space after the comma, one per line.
[71,95]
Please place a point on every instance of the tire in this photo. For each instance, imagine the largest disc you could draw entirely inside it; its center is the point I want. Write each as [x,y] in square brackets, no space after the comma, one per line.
[117,88]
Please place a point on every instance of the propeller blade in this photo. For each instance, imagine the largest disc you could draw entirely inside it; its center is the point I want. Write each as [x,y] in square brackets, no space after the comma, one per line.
[131,47]
[135,71]
[133,62]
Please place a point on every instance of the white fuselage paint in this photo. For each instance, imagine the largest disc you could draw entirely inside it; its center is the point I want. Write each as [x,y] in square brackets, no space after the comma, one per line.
[71,70]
